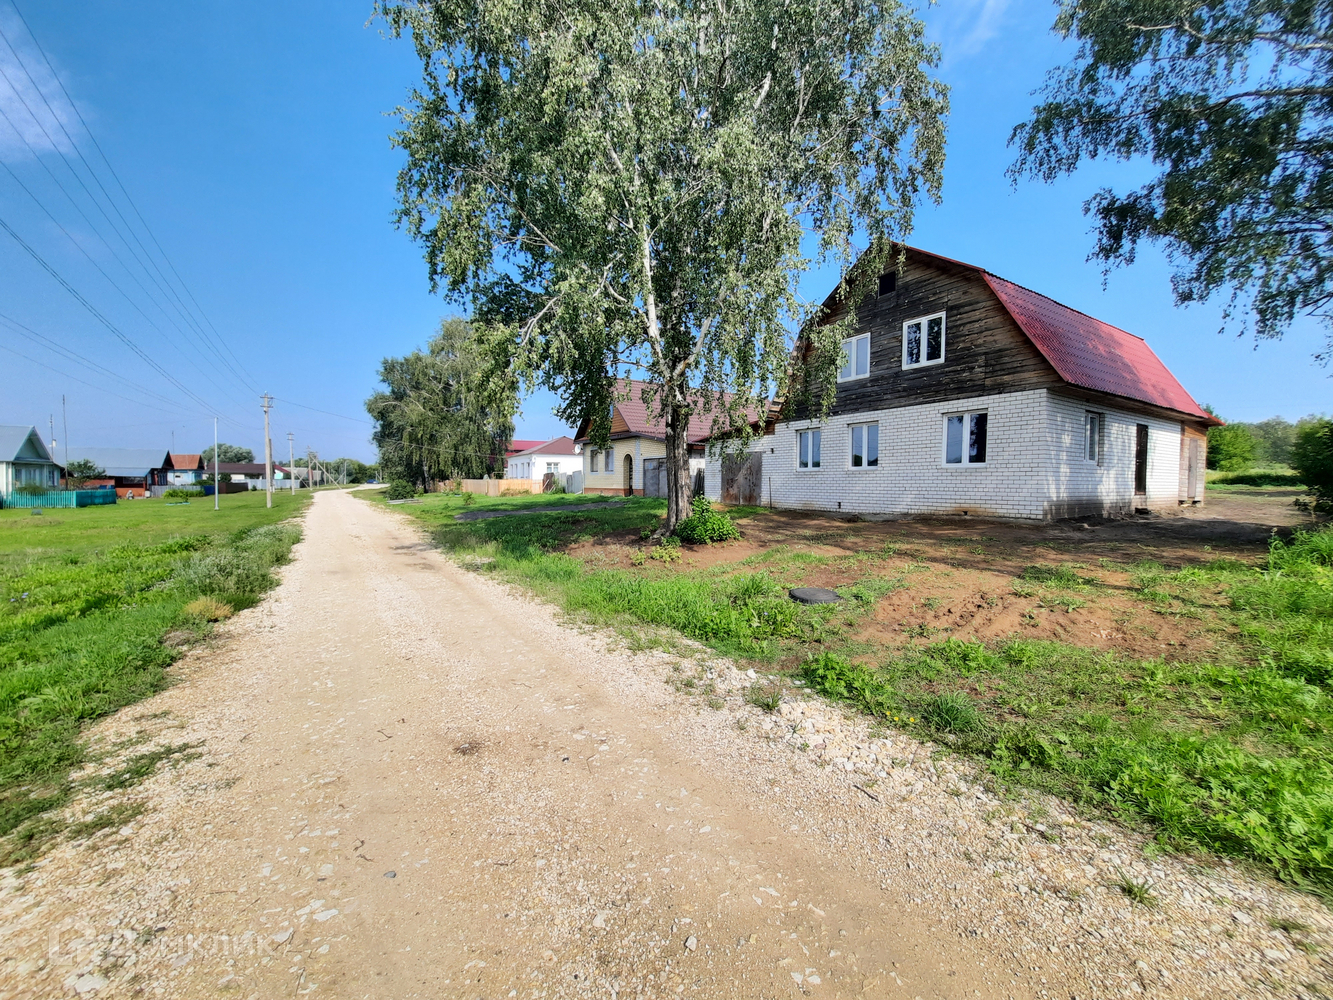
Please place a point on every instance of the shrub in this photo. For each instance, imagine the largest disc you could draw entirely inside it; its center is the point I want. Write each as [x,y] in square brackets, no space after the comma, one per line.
[834,677]
[705,525]
[210,609]
[400,489]
[32,489]
[1230,448]
[240,573]
[177,493]
[1312,458]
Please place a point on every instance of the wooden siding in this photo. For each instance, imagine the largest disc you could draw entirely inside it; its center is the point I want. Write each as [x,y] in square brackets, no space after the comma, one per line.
[984,350]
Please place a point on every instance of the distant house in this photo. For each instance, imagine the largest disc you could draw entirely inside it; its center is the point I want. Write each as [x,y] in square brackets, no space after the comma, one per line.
[963,393]
[518,446]
[635,462]
[25,459]
[559,455]
[252,474]
[129,471]
[183,469]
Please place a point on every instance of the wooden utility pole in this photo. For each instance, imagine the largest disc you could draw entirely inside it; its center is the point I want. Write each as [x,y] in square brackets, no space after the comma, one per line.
[266,403]
[217,479]
[310,467]
[291,460]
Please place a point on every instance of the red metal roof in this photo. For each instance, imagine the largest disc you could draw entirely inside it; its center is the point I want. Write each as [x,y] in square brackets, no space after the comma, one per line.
[563,445]
[1094,355]
[516,446]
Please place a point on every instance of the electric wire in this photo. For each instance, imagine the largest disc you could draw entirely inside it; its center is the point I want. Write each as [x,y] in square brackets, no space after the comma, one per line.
[44,341]
[234,364]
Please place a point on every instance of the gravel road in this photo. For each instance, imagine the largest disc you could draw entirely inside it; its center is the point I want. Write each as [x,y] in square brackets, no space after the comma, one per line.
[397,779]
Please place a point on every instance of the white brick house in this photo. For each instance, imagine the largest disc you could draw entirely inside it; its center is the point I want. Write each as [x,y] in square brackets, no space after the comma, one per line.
[559,456]
[966,394]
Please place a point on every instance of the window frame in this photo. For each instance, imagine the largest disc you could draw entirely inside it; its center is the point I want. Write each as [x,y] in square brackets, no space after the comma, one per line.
[963,463]
[593,453]
[817,439]
[944,337]
[864,427]
[609,465]
[852,357]
[1095,443]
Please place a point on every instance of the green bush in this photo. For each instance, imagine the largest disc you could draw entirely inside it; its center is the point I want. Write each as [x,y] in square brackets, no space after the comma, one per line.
[1312,457]
[32,489]
[400,489]
[834,677]
[706,525]
[241,572]
[177,493]
[1230,448]
[952,712]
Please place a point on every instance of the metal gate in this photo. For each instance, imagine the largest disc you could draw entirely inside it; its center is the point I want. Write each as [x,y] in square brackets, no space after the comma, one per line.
[743,478]
[654,477]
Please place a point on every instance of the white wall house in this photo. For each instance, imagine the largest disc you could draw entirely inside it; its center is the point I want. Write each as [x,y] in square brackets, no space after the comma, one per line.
[560,456]
[25,459]
[964,394]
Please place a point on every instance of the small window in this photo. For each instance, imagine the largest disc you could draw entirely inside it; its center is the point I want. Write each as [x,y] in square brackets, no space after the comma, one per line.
[965,439]
[610,461]
[888,283]
[855,358]
[592,460]
[1094,431]
[865,446]
[809,450]
[923,341]
[552,466]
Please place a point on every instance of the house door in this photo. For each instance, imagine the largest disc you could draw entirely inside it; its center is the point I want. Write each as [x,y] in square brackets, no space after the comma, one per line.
[654,477]
[1196,463]
[1141,460]
[629,475]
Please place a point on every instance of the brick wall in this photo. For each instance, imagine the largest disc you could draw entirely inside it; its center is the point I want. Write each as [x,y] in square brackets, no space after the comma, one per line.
[1036,464]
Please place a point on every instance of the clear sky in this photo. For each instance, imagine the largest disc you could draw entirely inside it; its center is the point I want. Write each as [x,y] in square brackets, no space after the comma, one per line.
[253,140]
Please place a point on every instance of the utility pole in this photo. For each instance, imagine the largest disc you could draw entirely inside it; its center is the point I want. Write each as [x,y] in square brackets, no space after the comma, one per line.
[291,460]
[266,401]
[309,469]
[217,478]
[64,428]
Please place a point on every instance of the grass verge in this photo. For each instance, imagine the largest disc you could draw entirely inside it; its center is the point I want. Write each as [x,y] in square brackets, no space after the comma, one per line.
[86,598]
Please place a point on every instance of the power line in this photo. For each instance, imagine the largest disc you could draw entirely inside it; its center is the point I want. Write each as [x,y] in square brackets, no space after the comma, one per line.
[191,335]
[327,413]
[239,369]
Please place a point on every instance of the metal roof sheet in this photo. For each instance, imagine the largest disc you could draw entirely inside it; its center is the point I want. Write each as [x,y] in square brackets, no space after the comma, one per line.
[14,436]
[135,462]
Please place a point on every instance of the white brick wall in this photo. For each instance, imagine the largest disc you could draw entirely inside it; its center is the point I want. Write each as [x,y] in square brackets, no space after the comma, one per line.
[1035,465]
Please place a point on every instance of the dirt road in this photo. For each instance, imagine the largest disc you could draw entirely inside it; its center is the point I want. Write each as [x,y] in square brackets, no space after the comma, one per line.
[396,779]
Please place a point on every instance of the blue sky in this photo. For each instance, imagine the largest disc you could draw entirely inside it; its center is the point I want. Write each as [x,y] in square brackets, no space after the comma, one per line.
[253,139]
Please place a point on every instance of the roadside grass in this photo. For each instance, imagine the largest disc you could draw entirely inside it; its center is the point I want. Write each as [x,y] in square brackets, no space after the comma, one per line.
[1256,476]
[86,598]
[735,612]
[1234,757]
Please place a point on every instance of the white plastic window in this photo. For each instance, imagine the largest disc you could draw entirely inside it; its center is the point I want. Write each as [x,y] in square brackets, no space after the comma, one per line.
[808,450]
[923,341]
[855,358]
[965,438]
[1094,430]
[865,446]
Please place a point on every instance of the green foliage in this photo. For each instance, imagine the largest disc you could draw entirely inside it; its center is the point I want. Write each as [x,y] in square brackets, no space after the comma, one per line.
[835,677]
[179,493]
[765,696]
[951,712]
[1229,99]
[706,525]
[230,453]
[1312,458]
[82,614]
[79,471]
[355,471]
[439,418]
[32,489]
[606,181]
[1230,448]
[1271,477]
[400,489]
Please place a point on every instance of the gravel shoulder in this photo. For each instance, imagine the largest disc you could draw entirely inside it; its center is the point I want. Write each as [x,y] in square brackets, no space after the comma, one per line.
[395,778]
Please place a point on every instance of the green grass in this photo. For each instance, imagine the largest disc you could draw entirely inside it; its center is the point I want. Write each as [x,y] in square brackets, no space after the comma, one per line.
[729,609]
[86,597]
[1260,475]
[1233,756]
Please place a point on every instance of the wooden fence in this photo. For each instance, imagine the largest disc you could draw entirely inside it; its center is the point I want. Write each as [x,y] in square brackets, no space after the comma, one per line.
[501,487]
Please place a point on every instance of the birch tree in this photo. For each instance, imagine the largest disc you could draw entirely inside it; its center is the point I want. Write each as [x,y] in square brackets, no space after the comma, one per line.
[626,188]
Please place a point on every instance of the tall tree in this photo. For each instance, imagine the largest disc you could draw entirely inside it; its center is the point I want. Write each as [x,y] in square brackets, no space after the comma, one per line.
[1232,100]
[438,419]
[621,187]
[228,453]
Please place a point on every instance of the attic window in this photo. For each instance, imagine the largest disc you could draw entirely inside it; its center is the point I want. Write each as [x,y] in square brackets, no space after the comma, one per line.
[888,283]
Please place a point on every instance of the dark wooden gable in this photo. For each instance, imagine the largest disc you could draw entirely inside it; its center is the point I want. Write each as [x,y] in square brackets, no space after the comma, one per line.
[985,351]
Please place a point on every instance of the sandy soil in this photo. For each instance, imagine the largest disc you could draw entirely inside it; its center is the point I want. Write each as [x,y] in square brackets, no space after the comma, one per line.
[397,779]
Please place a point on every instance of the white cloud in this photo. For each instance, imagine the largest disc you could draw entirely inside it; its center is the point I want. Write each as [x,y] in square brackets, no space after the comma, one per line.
[964,28]
[32,107]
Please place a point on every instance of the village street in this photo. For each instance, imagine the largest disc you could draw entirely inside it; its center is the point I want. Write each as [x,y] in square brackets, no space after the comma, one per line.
[396,779]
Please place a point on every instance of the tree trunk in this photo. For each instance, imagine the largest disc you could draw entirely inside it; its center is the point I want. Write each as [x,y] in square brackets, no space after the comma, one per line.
[677,464]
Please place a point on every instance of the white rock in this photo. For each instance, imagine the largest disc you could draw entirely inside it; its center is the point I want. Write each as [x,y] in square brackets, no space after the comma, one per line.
[1241,917]
[90,983]
[325,914]
[691,943]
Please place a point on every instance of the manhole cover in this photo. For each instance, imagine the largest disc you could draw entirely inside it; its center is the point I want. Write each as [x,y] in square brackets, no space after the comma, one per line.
[814,595]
